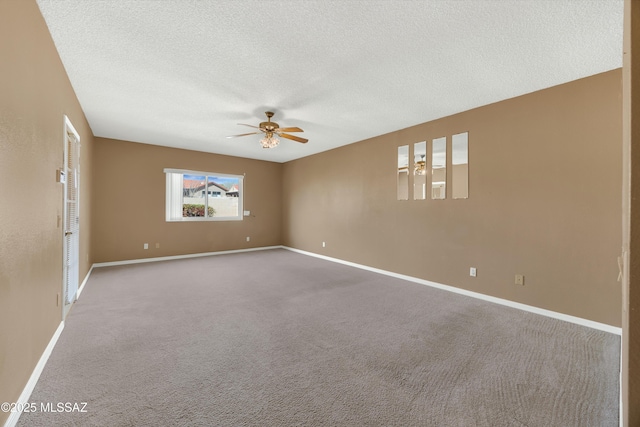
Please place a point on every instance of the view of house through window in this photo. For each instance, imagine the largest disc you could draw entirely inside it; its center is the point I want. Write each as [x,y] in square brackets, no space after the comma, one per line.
[203,196]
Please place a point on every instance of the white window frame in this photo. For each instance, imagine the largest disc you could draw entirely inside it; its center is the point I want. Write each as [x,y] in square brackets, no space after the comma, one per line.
[174,202]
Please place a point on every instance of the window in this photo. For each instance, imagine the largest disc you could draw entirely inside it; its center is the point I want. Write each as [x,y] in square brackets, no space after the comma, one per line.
[203,196]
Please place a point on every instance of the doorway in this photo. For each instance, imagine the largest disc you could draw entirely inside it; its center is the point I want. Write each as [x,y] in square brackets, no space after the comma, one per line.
[71,230]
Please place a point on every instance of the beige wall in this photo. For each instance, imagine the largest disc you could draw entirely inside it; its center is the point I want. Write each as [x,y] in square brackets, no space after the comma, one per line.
[545,201]
[129,203]
[631,216]
[35,94]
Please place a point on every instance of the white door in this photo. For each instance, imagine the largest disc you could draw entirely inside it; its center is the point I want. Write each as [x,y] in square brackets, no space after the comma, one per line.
[71,239]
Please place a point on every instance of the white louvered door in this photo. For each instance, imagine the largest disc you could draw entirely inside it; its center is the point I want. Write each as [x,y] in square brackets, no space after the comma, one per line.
[71,243]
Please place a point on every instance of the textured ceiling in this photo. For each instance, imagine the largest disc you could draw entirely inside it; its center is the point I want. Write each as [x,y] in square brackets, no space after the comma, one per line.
[183,73]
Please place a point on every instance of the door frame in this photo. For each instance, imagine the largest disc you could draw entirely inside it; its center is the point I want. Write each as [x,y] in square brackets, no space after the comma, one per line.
[69,132]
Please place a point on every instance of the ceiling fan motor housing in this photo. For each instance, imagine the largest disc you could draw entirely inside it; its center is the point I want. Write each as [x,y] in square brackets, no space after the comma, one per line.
[270,126]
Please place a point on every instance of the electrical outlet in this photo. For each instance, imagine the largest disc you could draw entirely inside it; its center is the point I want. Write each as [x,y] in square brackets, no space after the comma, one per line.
[248,239]
[146,246]
[473,272]
[519,279]
[324,244]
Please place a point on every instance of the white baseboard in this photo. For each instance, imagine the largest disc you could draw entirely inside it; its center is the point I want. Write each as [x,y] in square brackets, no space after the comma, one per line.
[169,258]
[37,371]
[84,282]
[621,407]
[553,314]
[35,375]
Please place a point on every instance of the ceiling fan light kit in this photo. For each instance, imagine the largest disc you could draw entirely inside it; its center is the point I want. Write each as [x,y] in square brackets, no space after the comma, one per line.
[271,132]
[269,141]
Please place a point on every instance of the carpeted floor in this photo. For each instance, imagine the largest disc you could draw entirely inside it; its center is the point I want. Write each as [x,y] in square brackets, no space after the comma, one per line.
[276,338]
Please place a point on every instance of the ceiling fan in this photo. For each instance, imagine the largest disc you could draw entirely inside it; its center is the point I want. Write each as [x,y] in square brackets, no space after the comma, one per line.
[271,131]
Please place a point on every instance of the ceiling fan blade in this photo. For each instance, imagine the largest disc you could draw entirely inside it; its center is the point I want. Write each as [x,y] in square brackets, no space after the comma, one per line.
[251,126]
[295,138]
[242,134]
[293,129]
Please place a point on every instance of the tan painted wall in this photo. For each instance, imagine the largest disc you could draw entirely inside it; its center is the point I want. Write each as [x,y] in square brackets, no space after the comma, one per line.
[545,201]
[35,94]
[631,216]
[125,217]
